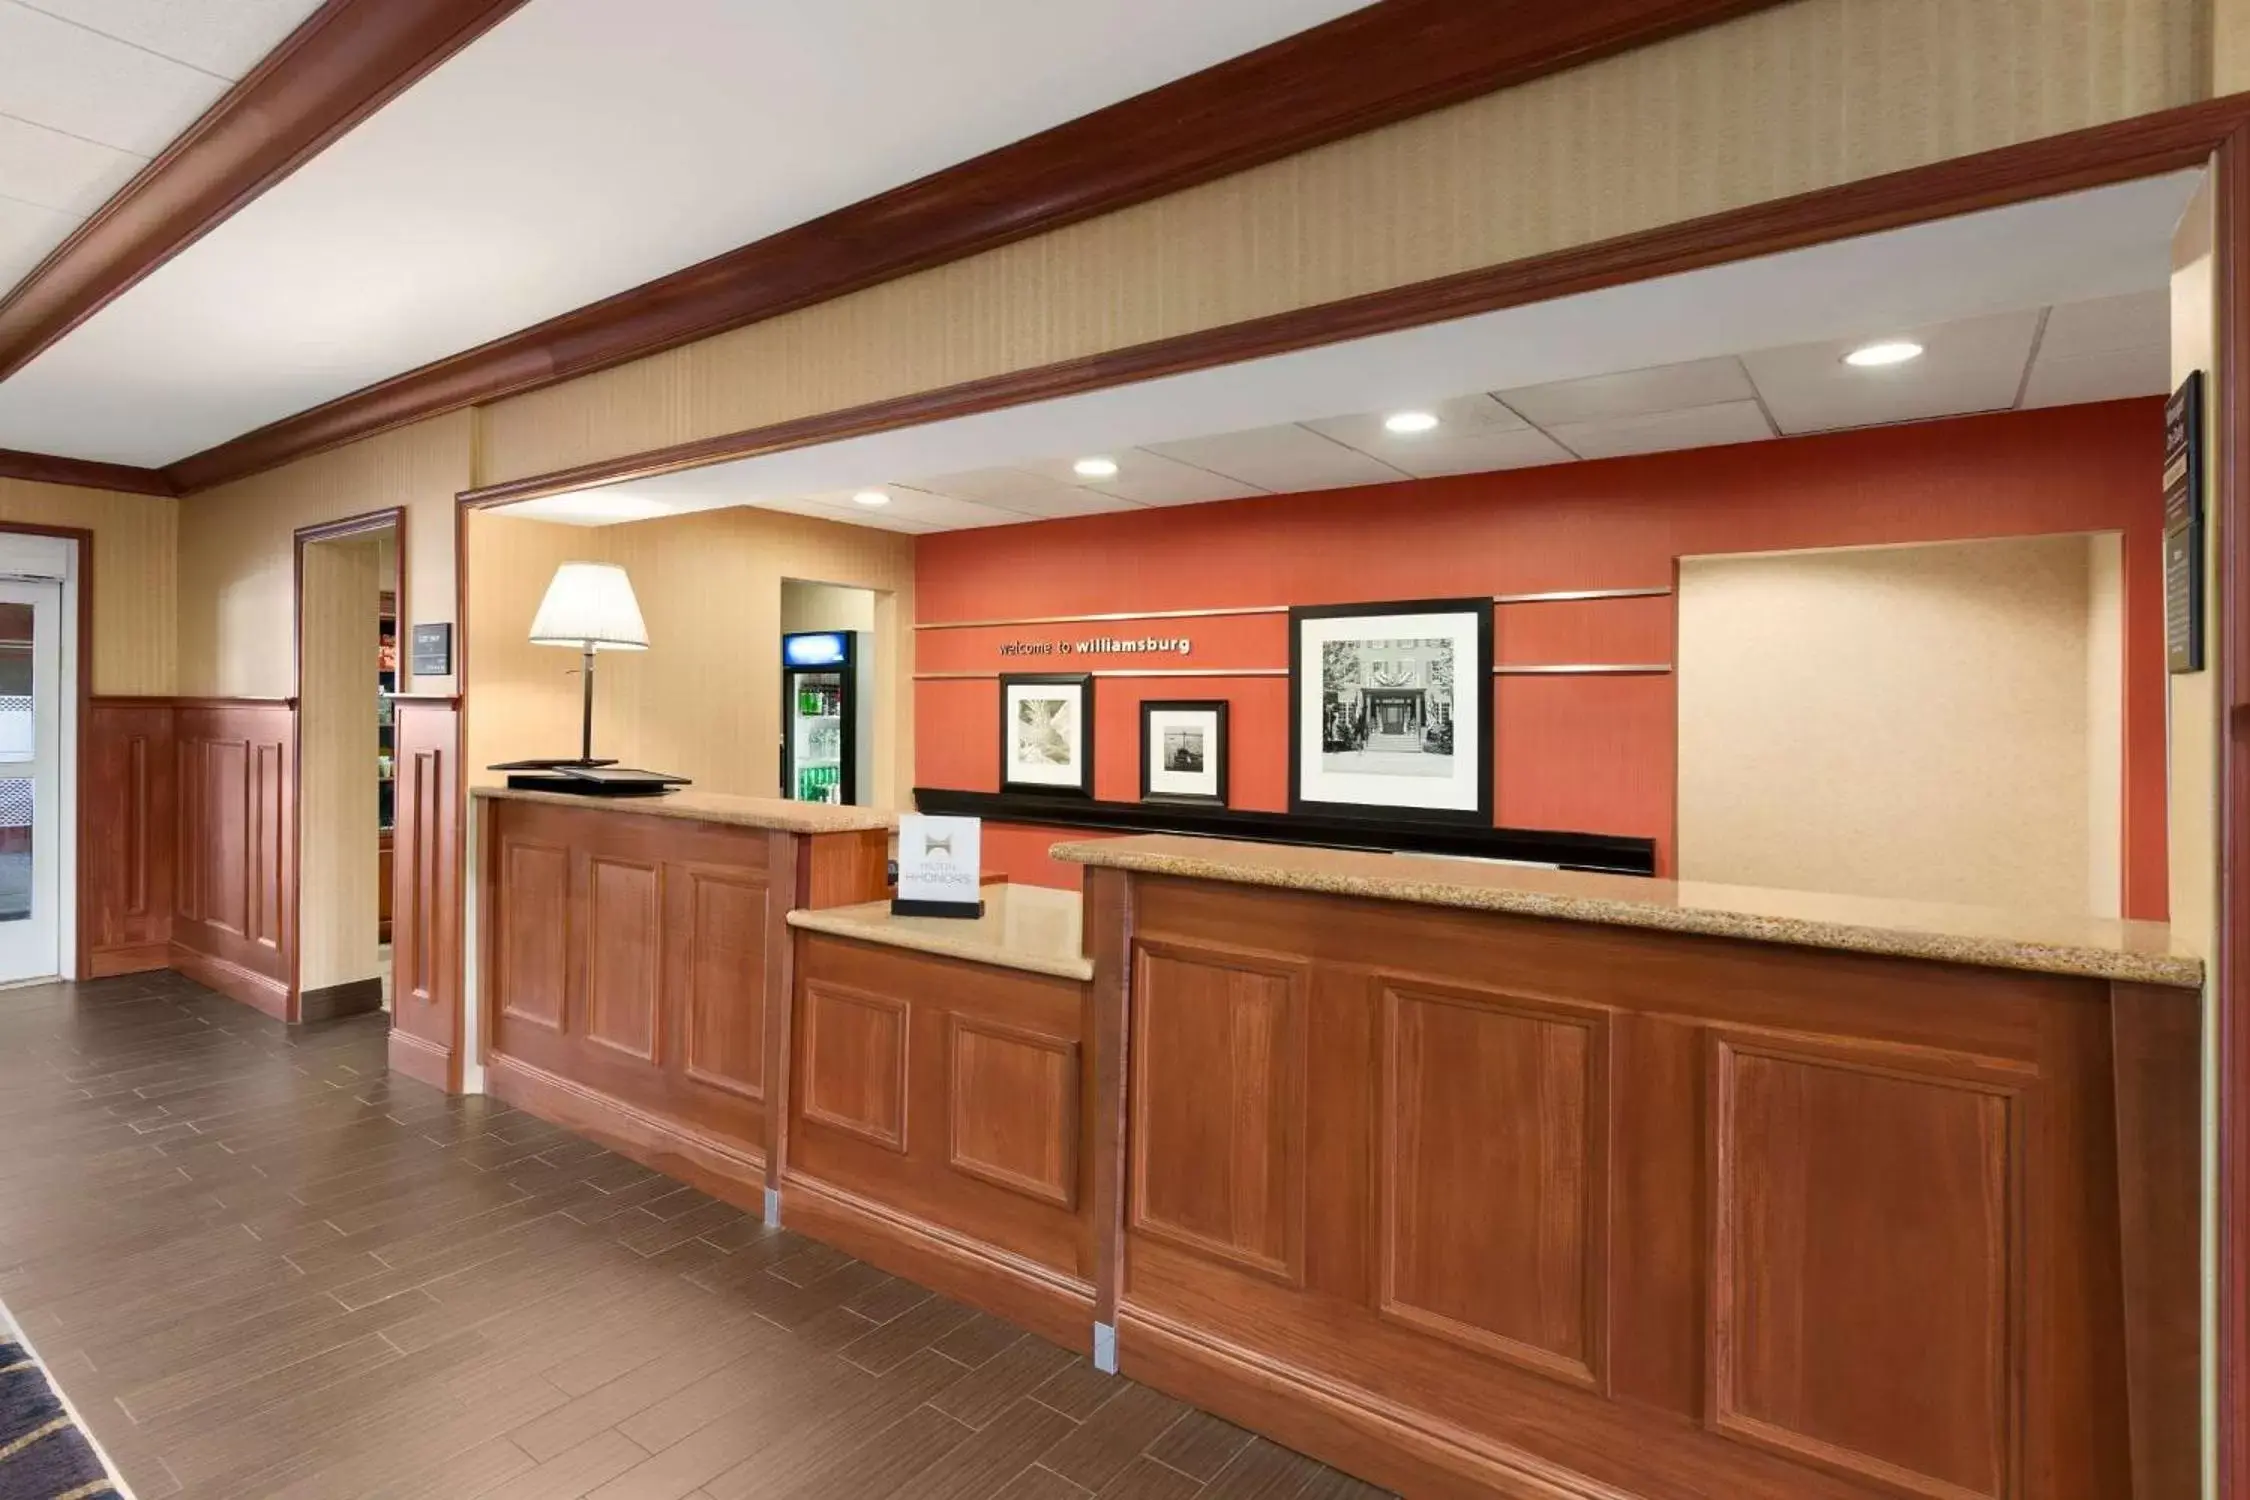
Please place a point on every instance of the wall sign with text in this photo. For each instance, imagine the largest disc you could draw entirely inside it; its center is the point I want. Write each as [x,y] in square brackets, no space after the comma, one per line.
[2183,527]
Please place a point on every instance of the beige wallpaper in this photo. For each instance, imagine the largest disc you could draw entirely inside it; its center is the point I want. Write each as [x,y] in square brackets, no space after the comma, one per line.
[2192,806]
[136,542]
[704,700]
[238,550]
[1906,722]
[338,819]
[1799,97]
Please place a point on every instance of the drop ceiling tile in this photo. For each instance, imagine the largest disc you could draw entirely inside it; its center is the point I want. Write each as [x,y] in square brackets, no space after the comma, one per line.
[1974,364]
[57,171]
[1463,415]
[226,37]
[2138,320]
[1019,491]
[67,78]
[1481,452]
[1281,459]
[27,233]
[1633,393]
[915,505]
[1665,431]
[1145,478]
[842,510]
[2109,376]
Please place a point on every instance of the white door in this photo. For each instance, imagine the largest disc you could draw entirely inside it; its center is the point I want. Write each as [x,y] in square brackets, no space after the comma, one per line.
[31,713]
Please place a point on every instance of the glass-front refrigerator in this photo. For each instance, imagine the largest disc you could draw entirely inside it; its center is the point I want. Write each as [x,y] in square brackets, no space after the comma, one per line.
[826,749]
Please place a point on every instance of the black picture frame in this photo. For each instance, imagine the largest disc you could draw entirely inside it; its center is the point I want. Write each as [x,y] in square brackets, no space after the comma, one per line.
[1471,698]
[1221,748]
[1084,682]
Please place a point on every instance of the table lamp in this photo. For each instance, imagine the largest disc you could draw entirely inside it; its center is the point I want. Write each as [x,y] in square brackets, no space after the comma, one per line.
[589,606]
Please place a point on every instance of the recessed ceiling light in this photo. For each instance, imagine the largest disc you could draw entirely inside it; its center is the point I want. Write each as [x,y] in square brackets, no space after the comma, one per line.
[1889,352]
[872,497]
[1095,468]
[1409,421]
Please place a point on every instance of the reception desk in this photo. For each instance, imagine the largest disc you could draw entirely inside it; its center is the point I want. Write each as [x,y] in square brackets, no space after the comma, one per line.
[635,967]
[1478,1181]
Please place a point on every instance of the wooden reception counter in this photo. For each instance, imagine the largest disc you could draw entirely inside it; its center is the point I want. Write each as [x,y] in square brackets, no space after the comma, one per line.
[1489,1181]
[635,967]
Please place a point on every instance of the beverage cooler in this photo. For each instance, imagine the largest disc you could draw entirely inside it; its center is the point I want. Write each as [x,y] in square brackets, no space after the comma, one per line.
[827,750]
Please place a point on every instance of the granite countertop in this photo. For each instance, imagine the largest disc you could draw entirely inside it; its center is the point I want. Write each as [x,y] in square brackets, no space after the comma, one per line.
[1027,927]
[716,807]
[2142,952]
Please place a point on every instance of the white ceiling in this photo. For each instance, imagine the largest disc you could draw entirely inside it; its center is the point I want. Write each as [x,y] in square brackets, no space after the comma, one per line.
[2040,304]
[570,153]
[91,90]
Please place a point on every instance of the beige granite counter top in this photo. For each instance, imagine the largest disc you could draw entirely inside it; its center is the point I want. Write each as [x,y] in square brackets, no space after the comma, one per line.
[2141,952]
[1027,927]
[715,807]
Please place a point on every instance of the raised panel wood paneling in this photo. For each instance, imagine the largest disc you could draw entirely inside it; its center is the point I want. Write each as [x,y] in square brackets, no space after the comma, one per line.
[855,1059]
[426,880]
[533,932]
[235,842]
[624,952]
[1014,1109]
[1218,1105]
[1494,1165]
[128,820]
[721,955]
[1866,1273]
[223,853]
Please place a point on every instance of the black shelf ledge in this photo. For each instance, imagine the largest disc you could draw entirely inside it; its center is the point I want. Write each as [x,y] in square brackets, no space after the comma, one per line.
[1608,854]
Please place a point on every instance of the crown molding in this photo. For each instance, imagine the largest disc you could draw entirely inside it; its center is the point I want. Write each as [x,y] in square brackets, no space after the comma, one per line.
[1369,68]
[86,473]
[348,59]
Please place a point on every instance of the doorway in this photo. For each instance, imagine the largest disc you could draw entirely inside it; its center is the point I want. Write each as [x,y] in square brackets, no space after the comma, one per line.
[32,708]
[348,593]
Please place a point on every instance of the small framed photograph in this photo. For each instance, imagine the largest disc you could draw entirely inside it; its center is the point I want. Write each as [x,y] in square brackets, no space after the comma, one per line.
[1184,751]
[1391,710]
[1047,733]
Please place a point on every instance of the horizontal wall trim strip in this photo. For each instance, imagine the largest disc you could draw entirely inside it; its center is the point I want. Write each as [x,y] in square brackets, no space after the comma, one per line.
[1558,596]
[2183,137]
[85,473]
[1363,70]
[1561,669]
[1608,853]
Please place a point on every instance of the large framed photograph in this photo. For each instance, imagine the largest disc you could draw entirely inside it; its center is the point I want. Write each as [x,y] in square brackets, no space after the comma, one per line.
[1391,710]
[1047,733]
[1184,751]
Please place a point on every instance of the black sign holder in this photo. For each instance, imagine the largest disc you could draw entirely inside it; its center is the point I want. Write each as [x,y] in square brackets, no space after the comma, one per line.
[2183,527]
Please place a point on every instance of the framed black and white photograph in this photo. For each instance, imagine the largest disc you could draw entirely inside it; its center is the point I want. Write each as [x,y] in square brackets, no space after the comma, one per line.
[1391,710]
[1047,733]
[1184,751]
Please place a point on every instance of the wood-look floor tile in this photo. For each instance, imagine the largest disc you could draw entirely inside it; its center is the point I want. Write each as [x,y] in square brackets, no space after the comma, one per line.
[1146,1479]
[998,1384]
[1199,1445]
[1116,1433]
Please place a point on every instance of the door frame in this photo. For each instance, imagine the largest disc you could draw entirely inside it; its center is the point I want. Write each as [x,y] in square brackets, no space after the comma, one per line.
[364,523]
[78,878]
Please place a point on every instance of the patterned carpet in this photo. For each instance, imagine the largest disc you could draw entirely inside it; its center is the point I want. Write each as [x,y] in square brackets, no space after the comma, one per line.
[44,1453]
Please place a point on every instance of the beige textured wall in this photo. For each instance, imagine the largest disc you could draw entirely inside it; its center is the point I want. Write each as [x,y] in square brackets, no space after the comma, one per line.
[1798,97]
[2105,725]
[1905,722]
[824,606]
[336,744]
[136,544]
[704,700]
[238,551]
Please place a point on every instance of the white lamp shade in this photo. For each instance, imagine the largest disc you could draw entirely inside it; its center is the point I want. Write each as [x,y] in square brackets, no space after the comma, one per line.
[590,604]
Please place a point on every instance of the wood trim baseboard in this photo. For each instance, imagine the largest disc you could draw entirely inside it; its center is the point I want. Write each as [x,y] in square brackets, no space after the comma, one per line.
[1057,1308]
[334,1001]
[2011,174]
[128,958]
[1355,1430]
[736,1173]
[85,473]
[258,991]
[348,59]
[423,1061]
[1366,69]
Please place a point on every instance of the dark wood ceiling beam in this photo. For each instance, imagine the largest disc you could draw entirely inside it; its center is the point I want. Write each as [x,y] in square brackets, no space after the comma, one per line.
[1372,67]
[347,60]
[45,468]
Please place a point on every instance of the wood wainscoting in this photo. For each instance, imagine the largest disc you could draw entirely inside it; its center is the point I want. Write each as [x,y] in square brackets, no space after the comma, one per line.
[630,965]
[936,1127]
[235,854]
[1472,1204]
[128,813]
[425,892]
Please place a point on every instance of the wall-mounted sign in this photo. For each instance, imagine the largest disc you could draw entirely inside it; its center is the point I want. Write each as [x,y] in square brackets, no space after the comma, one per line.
[2183,526]
[1103,645]
[433,650]
[940,866]
[827,648]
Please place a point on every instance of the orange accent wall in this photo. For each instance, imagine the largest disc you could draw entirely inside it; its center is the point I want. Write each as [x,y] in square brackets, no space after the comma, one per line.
[1587,754]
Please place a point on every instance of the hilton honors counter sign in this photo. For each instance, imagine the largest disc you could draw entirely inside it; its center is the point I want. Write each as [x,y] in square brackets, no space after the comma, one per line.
[2183,527]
